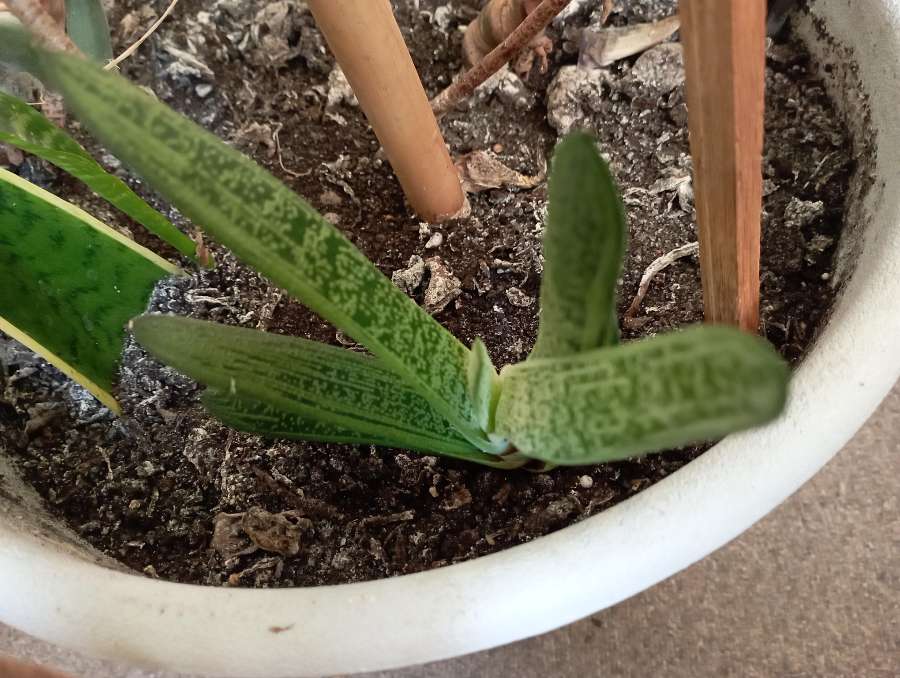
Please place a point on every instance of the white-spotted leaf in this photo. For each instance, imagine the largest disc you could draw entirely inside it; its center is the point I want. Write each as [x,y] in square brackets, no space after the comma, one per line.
[274,376]
[644,396]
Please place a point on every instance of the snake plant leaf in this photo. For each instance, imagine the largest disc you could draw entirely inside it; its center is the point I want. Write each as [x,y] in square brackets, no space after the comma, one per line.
[88,27]
[69,284]
[271,421]
[306,378]
[584,244]
[644,396]
[272,229]
[27,129]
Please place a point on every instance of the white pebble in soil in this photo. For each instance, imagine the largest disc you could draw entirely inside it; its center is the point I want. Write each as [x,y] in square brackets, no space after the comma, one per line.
[573,97]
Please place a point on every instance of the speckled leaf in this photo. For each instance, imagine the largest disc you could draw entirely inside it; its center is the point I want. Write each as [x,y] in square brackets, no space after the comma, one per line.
[272,229]
[24,127]
[261,418]
[68,284]
[584,243]
[268,420]
[645,396]
[315,381]
[86,24]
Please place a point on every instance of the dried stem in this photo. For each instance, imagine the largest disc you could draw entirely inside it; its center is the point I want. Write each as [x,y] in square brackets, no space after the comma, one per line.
[608,6]
[514,43]
[49,32]
[654,269]
[140,41]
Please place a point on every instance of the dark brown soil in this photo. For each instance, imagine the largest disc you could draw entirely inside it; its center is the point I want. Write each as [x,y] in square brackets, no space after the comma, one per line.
[147,488]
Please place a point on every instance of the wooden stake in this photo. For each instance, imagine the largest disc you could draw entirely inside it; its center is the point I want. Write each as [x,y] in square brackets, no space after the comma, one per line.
[368,45]
[724,52]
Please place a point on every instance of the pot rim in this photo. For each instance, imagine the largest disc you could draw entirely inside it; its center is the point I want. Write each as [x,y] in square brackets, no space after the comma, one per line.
[525,590]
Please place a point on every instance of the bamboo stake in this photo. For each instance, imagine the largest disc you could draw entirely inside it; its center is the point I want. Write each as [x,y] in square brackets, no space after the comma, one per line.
[12,668]
[724,52]
[367,43]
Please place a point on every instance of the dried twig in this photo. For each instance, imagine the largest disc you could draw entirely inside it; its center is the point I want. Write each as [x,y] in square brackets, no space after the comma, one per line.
[654,269]
[514,43]
[608,6]
[280,157]
[48,31]
[140,41]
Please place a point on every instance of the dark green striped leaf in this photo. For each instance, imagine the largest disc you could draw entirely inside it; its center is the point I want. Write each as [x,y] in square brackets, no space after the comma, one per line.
[68,284]
[86,24]
[310,381]
[24,127]
[645,396]
[584,243]
[272,229]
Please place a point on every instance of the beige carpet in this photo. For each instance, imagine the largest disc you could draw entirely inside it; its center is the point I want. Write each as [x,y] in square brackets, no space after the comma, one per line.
[811,591]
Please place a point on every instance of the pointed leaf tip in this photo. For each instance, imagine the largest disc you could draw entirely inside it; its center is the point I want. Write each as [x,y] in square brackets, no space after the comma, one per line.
[584,246]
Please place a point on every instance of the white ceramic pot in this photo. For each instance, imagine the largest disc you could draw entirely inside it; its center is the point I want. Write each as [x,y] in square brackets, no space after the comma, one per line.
[55,587]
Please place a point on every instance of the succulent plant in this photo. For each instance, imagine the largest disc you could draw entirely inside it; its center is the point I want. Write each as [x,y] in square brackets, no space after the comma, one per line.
[579,398]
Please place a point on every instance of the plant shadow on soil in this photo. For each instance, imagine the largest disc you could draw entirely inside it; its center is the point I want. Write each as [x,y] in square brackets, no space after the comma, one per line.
[150,488]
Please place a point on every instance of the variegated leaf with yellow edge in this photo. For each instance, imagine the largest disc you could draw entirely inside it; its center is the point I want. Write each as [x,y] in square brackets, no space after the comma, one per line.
[69,284]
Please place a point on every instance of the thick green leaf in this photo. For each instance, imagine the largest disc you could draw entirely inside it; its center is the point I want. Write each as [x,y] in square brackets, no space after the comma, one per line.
[260,418]
[315,381]
[272,421]
[584,243]
[483,384]
[68,284]
[86,24]
[272,229]
[645,396]
[16,47]
[24,127]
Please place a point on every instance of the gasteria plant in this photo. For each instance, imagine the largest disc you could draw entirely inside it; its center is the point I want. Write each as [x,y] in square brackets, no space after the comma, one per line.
[579,398]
